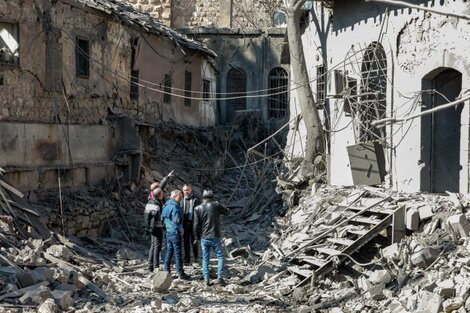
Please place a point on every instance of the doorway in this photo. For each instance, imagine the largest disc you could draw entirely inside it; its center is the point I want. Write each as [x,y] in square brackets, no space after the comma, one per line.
[440,132]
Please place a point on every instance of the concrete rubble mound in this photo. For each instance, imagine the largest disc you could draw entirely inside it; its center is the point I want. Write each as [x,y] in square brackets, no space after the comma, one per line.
[289,248]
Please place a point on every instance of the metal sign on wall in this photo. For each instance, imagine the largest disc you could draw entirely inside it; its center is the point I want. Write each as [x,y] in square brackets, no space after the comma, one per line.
[367,161]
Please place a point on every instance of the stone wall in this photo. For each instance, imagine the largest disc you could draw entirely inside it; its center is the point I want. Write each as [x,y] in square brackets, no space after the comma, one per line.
[211,13]
[81,217]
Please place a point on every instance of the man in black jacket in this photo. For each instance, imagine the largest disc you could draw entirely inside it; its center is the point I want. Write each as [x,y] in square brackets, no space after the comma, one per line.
[207,230]
[154,226]
[189,203]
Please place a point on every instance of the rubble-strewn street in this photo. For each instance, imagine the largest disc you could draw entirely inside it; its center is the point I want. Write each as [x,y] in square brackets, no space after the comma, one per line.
[302,256]
[199,156]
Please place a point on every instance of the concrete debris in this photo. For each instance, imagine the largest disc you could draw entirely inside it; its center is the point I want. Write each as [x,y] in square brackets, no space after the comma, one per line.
[459,225]
[48,306]
[161,281]
[289,251]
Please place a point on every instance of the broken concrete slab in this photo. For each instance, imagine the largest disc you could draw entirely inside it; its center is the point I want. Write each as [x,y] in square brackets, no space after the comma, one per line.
[429,302]
[425,257]
[380,277]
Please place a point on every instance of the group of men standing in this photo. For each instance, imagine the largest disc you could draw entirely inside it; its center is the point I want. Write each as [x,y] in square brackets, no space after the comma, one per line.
[188,221]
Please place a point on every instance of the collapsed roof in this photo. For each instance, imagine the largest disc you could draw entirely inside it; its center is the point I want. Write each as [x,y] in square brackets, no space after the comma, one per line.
[128,15]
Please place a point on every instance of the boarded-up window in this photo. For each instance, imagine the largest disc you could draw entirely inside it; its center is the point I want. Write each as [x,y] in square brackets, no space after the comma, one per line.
[82,58]
[278,96]
[167,89]
[188,77]
[9,43]
[206,89]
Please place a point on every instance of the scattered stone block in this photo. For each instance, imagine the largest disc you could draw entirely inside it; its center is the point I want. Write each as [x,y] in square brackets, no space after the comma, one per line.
[48,306]
[373,291]
[380,277]
[59,251]
[391,252]
[424,257]
[451,305]
[264,270]
[412,219]
[63,299]
[459,225]
[45,272]
[446,288]
[126,254]
[37,296]
[425,212]
[161,281]
[429,302]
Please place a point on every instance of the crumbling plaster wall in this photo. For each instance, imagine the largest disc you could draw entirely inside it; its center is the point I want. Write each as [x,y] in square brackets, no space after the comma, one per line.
[416,43]
[77,100]
[159,9]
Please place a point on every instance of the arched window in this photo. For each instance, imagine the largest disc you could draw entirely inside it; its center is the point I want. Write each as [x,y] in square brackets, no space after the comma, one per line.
[373,103]
[278,82]
[236,87]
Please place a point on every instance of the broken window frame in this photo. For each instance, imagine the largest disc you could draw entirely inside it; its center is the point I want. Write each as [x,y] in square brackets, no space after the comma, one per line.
[278,99]
[82,58]
[188,77]
[206,89]
[167,89]
[7,56]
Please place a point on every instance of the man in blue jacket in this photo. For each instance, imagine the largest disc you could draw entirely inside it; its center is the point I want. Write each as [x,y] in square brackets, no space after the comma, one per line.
[172,217]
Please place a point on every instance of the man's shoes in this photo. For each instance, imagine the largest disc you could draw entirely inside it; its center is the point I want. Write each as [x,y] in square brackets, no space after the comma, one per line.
[207,283]
[221,282]
[184,276]
[151,269]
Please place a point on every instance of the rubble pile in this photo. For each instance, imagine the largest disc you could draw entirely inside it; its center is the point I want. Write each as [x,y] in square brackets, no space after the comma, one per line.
[426,271]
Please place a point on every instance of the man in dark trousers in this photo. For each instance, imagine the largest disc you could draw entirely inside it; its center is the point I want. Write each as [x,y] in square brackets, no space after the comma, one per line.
[153,225]
[173,220]
[207,230]
[190,201]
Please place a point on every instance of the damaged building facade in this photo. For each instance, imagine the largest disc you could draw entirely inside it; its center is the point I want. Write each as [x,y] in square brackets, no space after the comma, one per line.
[248,37]
[76,74]
[369,61]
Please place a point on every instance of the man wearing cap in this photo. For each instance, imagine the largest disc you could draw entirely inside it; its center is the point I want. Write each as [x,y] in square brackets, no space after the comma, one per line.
[207,230]
[153,225]
[173,219]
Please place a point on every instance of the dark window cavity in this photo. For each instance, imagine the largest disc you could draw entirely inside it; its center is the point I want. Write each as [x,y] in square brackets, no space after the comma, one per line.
[82,57]
[134,84]
[187,88]
[167,89]
[206,89]
[278,93]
